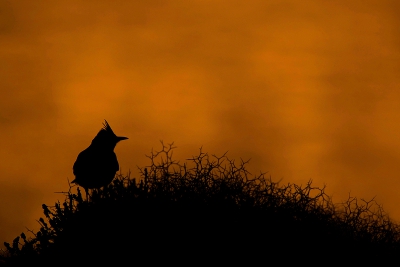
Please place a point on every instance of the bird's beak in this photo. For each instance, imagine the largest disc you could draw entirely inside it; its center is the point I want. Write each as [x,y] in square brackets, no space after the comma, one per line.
[120,138]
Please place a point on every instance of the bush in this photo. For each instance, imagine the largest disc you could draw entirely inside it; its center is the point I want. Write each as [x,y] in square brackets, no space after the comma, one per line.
[206,211]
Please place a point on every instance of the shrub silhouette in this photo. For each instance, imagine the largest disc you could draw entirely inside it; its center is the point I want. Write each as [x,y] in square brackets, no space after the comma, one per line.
[206,211]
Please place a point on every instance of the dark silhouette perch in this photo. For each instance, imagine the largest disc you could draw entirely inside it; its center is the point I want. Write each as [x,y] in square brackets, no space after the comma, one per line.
[207,211]
[97,165]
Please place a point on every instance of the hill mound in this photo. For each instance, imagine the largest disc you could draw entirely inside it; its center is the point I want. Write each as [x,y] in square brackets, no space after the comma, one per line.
[206,211]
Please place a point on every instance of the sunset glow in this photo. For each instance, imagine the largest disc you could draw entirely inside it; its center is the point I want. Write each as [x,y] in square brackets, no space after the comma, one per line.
[305,89]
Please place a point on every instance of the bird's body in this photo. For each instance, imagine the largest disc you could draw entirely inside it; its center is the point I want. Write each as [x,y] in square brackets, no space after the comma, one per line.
[94,168]
[97,165]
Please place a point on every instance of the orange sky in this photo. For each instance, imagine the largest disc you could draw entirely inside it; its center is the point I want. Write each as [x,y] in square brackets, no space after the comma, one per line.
[306,89]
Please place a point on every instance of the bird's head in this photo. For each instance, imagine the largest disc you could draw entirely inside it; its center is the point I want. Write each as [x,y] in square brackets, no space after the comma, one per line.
[106,138]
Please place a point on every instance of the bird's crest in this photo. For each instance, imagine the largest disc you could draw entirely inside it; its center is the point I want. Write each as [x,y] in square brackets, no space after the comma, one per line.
[107,128]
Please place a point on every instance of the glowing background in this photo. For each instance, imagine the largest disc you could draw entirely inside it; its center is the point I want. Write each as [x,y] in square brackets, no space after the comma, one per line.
[306,89]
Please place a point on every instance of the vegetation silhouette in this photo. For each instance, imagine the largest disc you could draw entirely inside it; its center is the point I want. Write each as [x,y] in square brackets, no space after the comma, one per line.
[97,165]
[206,211]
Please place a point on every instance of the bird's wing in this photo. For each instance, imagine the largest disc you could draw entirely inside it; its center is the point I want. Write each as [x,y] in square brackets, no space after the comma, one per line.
[80,163]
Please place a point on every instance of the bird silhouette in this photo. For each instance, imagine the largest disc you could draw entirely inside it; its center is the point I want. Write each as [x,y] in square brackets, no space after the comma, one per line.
[97,165]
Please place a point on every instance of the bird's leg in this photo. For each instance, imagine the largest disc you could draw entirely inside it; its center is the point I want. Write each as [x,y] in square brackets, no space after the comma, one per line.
[87,194]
